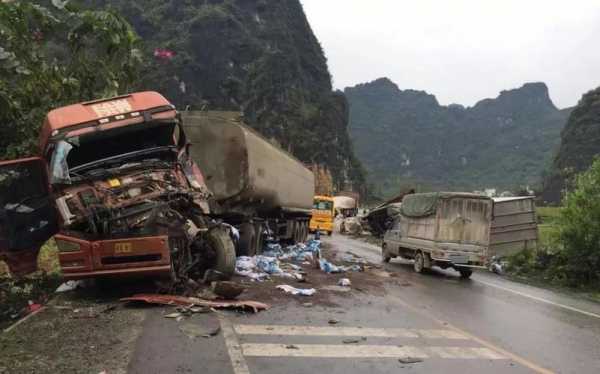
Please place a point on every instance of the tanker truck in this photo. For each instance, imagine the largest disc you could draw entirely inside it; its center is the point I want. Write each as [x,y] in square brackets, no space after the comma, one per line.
[257,187]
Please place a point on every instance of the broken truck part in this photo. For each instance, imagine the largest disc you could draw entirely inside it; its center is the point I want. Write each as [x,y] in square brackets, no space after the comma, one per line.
[259,188]
[189,302]
[115,182]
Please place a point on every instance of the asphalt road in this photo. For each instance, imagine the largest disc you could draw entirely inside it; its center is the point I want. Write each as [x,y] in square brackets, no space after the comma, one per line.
[484,325]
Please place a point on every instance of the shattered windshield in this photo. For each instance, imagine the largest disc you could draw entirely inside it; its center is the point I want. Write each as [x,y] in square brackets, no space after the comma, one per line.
[90,150]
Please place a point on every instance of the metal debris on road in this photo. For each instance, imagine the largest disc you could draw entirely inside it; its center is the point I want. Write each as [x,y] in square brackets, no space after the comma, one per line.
[410,360]
[297,291]
[174,300]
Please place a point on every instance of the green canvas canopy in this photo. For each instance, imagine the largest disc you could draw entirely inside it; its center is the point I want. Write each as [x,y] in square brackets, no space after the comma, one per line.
[425,204]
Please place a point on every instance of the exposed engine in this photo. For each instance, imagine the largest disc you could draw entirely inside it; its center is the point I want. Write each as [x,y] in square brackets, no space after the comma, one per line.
[137,202]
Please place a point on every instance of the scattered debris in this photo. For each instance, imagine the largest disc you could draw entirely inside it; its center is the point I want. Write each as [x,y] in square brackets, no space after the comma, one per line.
[354,340]
[195,331]
[410,360]
[335,288]
[174,300]
[227,289]
[173,315]
[33,307]
[291,346]
[70,286]
[307,305]
[296,291]
[344,282]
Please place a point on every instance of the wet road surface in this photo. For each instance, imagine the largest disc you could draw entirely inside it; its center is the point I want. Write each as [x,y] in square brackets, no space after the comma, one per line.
[447,325]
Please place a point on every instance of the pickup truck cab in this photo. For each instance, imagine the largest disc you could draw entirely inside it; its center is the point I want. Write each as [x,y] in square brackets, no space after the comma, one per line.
[115,184]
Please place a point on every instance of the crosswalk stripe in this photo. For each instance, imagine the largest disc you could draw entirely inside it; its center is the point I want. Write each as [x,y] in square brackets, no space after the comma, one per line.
[365,351]
[346,331]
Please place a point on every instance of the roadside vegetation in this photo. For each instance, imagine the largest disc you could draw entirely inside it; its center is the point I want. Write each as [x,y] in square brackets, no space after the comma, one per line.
[568,253]
[51,56]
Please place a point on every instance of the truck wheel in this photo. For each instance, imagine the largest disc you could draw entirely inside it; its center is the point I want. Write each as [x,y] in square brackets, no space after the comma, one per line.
[306,231]
[419,264]
[465,273]
[220,241]
[258,246]
[385,256]
[247,243]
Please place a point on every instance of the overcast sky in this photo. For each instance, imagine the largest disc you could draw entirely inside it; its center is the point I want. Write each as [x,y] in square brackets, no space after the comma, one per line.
[462,50]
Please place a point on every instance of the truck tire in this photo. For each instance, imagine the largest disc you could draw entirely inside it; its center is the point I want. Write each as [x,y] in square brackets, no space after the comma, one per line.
[247,243]
[385,256]
[419,264]
[465,273]
[220,241]
[259,239]
[305,231]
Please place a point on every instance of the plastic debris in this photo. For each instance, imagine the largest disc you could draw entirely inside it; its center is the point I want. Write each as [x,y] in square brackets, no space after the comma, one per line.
[344,282]
[174,300]
[69,286]
[328,267]
[296,291]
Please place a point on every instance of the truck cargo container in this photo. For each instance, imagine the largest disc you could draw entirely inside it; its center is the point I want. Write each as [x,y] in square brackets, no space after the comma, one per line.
[514,225]
[447,229]
[257,187]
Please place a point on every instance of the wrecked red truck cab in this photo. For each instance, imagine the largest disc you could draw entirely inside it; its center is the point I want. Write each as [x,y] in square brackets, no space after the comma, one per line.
[116,186]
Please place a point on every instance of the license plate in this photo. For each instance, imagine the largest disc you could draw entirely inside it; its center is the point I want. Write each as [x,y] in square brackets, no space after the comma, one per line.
[458,258]
[123,248]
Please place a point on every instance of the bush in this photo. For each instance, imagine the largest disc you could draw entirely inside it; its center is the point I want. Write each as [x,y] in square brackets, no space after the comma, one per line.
[579,229]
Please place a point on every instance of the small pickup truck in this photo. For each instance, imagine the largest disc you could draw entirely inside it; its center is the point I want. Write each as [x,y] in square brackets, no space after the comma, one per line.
[446,229]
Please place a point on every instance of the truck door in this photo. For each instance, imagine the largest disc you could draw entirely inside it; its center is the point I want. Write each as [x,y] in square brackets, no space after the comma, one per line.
[27,214]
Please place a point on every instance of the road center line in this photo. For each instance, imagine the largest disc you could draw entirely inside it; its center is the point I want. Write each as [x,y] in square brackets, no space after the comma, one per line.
[346,331]
[542,300]
[233,347]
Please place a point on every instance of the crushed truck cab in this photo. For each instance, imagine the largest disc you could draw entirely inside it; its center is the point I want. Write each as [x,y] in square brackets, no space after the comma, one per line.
[117,186]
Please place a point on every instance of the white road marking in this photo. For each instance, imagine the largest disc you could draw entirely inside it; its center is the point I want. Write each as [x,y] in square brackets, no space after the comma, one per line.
[346,331]
[366,351]
[233,347]
[542,300]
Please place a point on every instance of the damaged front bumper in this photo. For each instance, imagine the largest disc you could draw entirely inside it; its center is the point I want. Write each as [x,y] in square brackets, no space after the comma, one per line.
[128,256]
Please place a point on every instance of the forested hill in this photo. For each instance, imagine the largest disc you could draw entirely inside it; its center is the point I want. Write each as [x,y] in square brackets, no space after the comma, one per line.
[580,143]
[260,57]
[406,137]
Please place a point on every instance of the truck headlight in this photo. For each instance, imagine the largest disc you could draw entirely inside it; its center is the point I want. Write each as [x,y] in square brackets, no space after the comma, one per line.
[65,246]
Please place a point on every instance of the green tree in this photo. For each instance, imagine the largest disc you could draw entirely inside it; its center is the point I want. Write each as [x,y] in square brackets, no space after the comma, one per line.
[57,55]
[580,228]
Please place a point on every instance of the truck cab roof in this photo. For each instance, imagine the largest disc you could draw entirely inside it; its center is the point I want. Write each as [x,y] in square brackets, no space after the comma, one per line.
[123,109]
